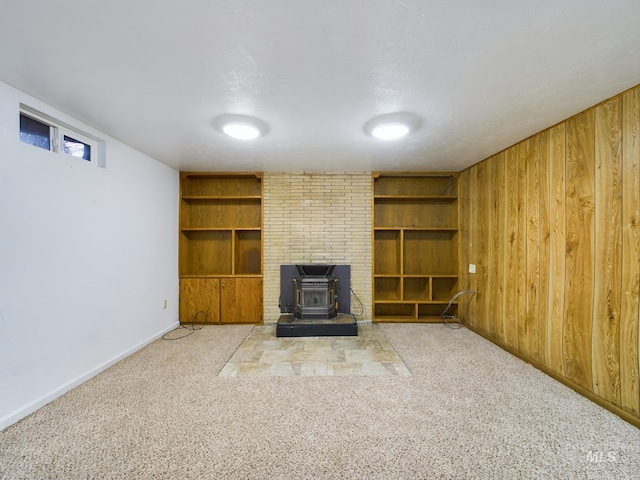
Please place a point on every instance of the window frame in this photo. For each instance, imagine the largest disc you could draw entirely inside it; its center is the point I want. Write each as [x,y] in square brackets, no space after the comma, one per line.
[52,132]
[78,137]
[58,130]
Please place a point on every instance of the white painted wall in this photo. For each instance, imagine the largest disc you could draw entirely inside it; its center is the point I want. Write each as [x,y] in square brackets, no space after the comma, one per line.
[87,258]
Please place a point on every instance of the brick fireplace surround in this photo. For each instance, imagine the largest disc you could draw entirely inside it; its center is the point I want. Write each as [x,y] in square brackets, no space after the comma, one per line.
[318,218]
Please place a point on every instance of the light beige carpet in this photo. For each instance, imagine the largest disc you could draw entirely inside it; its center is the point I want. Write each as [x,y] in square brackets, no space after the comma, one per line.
[468,410]
[262,353]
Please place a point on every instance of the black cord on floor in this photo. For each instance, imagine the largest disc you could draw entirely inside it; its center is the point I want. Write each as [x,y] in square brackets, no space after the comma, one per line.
[361,306]
[191,327]
[447,318]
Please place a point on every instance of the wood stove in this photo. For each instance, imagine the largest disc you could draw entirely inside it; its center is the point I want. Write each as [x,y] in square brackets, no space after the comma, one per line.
[315,292]
[315,301]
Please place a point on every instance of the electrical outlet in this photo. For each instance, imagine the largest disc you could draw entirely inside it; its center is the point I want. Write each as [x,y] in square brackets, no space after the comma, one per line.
[164,305]
[472,268]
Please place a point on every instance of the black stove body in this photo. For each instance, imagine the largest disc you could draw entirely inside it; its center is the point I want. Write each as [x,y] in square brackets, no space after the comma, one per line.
[315,292]
[315,301]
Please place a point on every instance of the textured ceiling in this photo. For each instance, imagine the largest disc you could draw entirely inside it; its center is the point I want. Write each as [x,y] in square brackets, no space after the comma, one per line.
[481,74]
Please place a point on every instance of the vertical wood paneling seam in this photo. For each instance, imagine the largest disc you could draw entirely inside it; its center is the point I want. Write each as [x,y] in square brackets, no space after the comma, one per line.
[557,246]
[563,192]
[620,340]
[491,281]
[618,265]
[544,239]
[540,206]
[593,279]
[580,248]
[564,293]
[595,231]
[473,234]
[630,320]
[593,248]
[510,247]
[523,327]
[596,195]
[536,252]
[500,242]
[605,348]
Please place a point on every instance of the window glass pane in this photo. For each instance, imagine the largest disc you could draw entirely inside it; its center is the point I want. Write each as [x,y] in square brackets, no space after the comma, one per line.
[77,148]
[34,132]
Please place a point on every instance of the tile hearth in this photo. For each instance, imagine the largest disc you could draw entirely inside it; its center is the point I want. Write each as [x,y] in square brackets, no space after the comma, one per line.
[264,354]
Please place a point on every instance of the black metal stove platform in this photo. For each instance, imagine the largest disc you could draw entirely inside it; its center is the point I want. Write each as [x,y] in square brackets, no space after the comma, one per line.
[342,325]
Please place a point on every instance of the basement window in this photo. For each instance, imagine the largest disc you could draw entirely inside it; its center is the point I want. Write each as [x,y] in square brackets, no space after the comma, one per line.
[76,148]
[44,131]
[35,132]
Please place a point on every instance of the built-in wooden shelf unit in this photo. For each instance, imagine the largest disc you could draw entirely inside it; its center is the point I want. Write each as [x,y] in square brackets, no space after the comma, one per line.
[415,253]
[220,247]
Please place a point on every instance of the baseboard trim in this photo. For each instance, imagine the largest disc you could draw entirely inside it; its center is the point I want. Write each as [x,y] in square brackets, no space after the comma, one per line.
[58,392]
[626,416]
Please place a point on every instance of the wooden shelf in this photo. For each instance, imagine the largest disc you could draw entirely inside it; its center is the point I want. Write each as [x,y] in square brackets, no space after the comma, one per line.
[429,276]
[198,184]
[397,310]
[415,231]
[413,212]
[206,252]
[388,288]
[228,213]
[405,311]
[220,262]
[418,197]
[415,184]
[206,198]
[247,275]
[220,229]
[426,229]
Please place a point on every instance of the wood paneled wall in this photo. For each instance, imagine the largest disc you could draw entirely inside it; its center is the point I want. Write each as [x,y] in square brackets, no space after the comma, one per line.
[553,226]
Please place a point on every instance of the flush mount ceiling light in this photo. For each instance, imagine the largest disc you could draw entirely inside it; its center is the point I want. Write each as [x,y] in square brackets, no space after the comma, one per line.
[392,126]
[241,127]
[241,131]
[390,131]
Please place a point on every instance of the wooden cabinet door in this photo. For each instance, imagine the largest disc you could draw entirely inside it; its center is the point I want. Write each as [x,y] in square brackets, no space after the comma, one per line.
[199,300]
[241,300]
